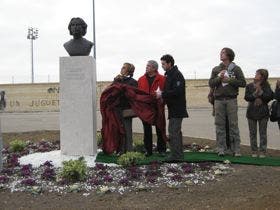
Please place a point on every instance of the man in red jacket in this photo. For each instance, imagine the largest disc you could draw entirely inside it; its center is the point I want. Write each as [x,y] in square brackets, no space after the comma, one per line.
[150,82]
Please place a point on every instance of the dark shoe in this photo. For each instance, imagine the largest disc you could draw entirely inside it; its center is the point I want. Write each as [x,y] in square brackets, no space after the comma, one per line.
[162,154]
[229,152]
[237,154]
[174,160]
[221,154]
[148,154]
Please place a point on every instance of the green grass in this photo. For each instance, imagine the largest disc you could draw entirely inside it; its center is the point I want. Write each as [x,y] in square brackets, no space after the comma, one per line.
[199,157]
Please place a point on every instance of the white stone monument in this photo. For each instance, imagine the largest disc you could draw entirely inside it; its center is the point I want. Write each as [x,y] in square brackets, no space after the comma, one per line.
[78,105]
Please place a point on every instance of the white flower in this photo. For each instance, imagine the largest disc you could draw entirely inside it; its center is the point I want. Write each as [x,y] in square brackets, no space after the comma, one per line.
[188,182]
[226,161]
[104,189]
[218,172]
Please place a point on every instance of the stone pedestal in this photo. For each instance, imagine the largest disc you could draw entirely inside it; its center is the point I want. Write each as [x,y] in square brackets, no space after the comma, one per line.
[78,105]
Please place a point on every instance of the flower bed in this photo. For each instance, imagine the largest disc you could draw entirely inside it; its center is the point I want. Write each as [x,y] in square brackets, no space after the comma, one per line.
[103,178]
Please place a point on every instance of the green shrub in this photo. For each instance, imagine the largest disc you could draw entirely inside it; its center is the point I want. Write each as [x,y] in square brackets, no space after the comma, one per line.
[138,143]
[139,146]
[74,170]
[130,158]
[17,145]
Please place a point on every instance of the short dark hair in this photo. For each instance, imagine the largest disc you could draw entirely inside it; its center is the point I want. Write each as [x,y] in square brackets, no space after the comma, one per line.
[230,53]
[168,59]
[82,22]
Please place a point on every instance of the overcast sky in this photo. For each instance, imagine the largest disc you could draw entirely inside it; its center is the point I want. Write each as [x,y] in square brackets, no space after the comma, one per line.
[193,31]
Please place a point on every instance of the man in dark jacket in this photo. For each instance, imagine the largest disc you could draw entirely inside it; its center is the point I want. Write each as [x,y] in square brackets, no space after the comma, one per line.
[277,96]
[150,82]
[174,95]
[226,80]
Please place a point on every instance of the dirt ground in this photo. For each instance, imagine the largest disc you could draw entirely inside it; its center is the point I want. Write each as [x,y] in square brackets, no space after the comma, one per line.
[247,187]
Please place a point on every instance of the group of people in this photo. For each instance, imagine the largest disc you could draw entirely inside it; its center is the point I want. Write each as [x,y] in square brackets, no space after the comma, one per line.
[166,89]
[225,81]
[169,89]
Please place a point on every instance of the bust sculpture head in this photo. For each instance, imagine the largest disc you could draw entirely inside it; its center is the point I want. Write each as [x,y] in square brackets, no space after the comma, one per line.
[78,46]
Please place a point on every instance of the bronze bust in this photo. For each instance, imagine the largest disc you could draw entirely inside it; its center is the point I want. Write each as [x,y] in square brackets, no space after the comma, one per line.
[78,46]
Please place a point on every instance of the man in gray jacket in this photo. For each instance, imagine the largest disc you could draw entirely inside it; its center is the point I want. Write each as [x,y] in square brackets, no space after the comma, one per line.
[226,80]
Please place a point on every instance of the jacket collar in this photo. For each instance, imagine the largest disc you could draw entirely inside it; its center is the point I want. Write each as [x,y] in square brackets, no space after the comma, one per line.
[171,71]
[222,66]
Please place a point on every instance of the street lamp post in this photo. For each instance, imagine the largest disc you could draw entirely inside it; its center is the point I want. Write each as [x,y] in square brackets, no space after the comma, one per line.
[94,41]
[32,35]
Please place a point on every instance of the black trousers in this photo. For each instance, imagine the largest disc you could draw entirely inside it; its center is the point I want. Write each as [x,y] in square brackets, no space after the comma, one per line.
[148,139]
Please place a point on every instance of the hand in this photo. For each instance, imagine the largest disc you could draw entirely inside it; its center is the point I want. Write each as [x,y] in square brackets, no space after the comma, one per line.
[225,80]
[158,94]
[222,73]
[258,102]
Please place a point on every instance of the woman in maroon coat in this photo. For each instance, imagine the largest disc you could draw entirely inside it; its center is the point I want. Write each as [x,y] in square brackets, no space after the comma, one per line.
[125,77]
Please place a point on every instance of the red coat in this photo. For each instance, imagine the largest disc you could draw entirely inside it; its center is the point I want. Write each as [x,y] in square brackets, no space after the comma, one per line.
[145,106]
[143,83]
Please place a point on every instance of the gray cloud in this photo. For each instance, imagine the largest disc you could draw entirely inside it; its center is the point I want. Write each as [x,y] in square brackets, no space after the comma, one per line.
[137,31]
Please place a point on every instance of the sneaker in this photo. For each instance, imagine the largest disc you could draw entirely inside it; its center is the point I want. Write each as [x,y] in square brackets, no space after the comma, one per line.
[229,152]
[262,155]
[254,155]
[162,154]
[148,154]
[171,159]
[237,154]
[221,154]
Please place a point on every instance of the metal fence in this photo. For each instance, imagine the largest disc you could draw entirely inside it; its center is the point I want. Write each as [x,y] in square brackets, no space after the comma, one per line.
[7,79]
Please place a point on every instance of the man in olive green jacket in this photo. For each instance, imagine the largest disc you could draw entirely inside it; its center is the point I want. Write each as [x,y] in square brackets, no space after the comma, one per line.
[226,80]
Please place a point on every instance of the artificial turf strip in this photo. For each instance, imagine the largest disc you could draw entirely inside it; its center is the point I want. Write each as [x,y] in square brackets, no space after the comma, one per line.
[199,157]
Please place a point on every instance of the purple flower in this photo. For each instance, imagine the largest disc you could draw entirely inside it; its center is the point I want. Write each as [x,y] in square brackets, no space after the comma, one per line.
[124,181]
[24,152]
[177,177]
[48,164]
[63,182]
[5,150]
[28,182]
[154,165]
[12,160]
[26,170]
[204,166]
[95,181]
[48,174]
[172,170]
[134,172]
[3,179]
[8,171]
[102,173]
[151,179]
[99,166]
[187,168]
[108,178]
[152,173]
